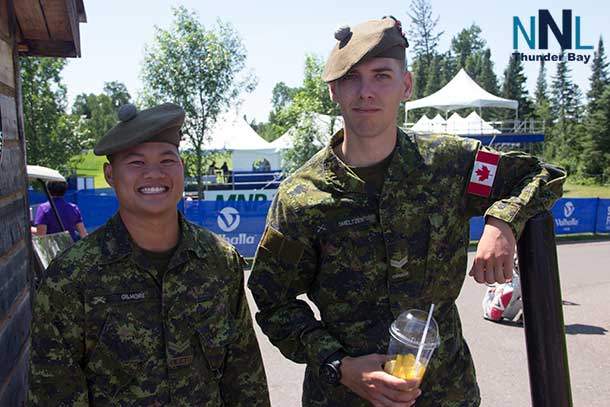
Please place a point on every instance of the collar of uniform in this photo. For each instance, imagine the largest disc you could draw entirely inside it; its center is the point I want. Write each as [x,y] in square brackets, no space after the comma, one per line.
[117,243]
[190,242]
[337,172]
[406,159]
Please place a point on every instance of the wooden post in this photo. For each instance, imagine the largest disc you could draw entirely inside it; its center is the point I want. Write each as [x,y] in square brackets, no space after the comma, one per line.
[543,316]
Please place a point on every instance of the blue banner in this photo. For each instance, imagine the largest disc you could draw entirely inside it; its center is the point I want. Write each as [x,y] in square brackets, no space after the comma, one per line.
[575,215]
[96,208]
[476,227]
[241,223]
[603,216]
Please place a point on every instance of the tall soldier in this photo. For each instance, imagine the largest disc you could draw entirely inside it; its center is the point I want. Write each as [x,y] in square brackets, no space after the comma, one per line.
[377,223]
[149,310]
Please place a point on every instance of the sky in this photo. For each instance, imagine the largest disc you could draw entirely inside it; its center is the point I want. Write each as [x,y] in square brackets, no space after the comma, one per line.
[278,34]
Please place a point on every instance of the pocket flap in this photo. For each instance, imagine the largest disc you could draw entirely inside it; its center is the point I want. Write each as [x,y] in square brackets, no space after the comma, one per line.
[215,337]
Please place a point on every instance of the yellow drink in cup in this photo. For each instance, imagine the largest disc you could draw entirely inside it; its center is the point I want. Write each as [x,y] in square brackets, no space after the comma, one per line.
[404,367]
[408,338]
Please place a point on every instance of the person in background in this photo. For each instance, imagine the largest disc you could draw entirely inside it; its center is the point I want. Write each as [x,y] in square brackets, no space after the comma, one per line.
[45,220]
[224,168]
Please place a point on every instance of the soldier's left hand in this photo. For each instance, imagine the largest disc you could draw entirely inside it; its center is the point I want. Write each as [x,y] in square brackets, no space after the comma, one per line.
[493,261]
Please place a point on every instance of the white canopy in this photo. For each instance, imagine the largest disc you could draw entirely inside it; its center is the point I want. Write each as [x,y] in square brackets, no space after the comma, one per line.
[44,173]
[321,122]
[423,124]
[232,132]
[456,124]
[438,124]
[459,93]
[476,125]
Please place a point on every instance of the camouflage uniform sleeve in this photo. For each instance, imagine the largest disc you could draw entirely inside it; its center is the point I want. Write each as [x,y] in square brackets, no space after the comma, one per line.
[524,186]
[243,383]
[57,344]
[285,267]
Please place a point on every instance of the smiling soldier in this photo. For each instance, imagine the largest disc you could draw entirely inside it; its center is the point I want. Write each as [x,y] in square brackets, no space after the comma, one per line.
[150,309]
[377,223]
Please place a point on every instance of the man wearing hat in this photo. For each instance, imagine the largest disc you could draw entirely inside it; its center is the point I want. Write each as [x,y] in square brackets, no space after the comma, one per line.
[149,310]
[375,224]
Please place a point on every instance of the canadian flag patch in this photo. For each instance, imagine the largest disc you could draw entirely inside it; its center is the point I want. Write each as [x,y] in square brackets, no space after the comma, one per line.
[483,173]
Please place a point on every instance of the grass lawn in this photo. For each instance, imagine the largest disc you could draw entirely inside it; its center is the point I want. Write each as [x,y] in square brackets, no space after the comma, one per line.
[585,191]
[92,166]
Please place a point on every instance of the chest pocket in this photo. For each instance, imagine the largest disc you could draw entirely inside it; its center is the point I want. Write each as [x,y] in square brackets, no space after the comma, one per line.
[121,352]
[349,262]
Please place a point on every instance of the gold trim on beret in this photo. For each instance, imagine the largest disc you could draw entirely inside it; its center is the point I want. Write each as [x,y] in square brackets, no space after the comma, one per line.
[161,123]
[375,38]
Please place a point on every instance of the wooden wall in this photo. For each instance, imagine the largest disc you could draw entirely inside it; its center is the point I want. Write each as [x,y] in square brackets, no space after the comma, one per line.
[15,247]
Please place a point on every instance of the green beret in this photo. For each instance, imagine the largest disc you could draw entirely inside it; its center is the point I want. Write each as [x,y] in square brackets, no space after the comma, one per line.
[160,123]
[371,39]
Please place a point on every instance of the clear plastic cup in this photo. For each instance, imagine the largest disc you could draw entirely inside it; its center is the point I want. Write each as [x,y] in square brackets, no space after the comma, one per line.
[405,337]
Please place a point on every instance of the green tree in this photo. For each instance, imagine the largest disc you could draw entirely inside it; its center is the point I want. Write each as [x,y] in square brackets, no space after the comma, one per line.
[487,77]
[514,86]
[542,109]
[423,35]
[599,76]
[118,93]
[595,161]
[52,137]
[470,54]
[467,43]
[434,75]
[313,97]
[448,68]
[98,112]
[281,117]
[596,140]
[419,71]
[199,69]
[565,142]
[308,138]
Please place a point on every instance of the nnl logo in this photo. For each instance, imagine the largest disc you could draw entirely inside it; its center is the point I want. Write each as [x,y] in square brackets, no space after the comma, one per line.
[546,21]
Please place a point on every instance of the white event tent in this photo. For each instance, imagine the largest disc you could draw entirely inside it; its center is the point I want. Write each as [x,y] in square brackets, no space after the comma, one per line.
[461,92]
[456,124]
[325,125]
[231,132]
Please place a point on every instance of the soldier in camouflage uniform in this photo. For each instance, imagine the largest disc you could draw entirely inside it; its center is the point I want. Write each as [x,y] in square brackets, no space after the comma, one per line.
[150,309]
[377,223]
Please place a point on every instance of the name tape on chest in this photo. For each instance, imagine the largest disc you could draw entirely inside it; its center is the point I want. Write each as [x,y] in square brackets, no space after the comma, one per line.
[483,173]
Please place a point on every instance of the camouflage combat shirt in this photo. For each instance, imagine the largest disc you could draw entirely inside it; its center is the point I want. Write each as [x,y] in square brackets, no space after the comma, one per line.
[362,258]
[107,333]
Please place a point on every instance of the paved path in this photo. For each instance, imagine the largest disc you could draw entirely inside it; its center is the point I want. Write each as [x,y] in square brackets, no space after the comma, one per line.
[499,350]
